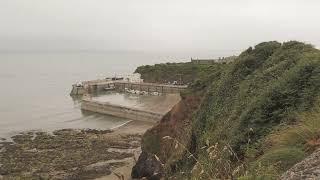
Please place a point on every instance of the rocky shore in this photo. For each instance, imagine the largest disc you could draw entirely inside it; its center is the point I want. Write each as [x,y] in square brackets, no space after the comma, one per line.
[72,154]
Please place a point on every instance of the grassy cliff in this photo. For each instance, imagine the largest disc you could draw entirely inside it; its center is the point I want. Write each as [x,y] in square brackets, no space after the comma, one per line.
[170,72]
[254,118]
[263,93]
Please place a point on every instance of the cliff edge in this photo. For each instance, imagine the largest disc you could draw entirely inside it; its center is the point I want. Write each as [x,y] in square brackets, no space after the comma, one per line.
[253,118]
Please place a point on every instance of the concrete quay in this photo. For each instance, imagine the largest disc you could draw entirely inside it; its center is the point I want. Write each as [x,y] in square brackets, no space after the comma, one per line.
[120,111]
[151,113]
[89,87]
[149,87]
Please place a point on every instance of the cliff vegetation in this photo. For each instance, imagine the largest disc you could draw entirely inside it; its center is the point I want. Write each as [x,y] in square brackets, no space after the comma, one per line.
[253,118]
[184,73]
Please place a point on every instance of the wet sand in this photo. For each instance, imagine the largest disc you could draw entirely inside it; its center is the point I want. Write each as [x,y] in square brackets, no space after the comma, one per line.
[73,154]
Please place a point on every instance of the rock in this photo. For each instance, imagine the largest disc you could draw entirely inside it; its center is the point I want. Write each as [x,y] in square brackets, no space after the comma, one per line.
[147,167]
[66,154]
[34,150]
[94,170]
[95,131]
[308,169]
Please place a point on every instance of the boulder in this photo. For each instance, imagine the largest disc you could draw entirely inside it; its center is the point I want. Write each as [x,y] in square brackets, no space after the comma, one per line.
[308,169]
[147,166]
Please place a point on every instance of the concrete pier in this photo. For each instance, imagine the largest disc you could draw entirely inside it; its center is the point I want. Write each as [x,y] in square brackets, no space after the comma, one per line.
[149,87]
[89,87]
[121,111]
[151,112]
[77,90]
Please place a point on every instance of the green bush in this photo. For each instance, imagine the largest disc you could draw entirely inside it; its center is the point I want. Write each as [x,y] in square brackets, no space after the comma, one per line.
[170,72]
[263,92]
[263,89]
[282,158]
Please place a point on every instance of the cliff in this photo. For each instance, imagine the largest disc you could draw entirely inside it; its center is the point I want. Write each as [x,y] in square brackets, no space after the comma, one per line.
[253,118]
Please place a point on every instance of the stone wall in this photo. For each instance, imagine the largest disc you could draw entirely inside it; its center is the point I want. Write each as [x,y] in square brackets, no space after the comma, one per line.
[95,87]
[149,87]
[77,90]
[203,61]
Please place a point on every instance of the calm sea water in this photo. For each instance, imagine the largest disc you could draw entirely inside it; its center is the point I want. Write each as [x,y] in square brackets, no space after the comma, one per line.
[35,87]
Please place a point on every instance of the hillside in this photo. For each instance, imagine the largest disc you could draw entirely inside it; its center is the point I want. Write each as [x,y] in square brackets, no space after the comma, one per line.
[253,118]
[170,72]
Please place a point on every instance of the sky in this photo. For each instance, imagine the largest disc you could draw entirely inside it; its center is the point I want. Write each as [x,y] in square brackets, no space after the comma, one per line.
[155,25]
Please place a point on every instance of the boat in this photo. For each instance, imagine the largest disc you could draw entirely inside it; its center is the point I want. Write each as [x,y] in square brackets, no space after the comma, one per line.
[155,93]
[110,87]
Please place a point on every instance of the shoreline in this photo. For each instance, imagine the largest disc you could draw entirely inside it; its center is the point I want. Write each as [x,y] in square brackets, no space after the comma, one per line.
[128,128]
[73,153]
[121,125]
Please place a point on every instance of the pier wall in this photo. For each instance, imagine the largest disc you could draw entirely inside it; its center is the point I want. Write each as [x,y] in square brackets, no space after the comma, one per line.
[149,87]
[77,90]
[99,85]
[120,111]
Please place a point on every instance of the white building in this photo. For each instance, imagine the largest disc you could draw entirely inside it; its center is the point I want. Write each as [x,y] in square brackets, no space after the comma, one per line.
[134,78]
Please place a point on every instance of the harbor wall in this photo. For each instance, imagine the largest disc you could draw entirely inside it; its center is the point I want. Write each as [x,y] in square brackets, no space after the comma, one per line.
[96,86]
[149,87]
[77,90]
[120,111]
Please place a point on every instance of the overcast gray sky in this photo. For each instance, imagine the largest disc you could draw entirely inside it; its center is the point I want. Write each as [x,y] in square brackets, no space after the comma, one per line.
[150,25]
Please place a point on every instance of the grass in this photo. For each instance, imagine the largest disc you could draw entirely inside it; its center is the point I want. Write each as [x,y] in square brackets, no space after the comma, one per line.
[266,88]
[261,111]
[185,73]
[288,145]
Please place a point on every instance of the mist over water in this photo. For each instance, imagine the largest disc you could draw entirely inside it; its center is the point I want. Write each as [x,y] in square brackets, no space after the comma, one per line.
[35,87]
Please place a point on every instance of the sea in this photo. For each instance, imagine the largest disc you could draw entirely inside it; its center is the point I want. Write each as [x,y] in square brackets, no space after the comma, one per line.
[35,87]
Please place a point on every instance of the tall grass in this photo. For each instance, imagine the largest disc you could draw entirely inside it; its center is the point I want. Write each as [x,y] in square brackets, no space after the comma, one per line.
[206,169]
[255,120]
[287,146]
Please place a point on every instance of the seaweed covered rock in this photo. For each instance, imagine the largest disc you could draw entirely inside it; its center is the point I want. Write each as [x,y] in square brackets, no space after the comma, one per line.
[148,166]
